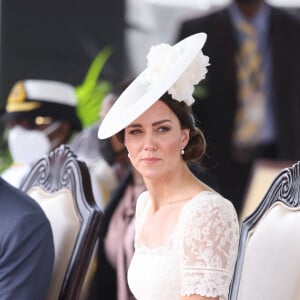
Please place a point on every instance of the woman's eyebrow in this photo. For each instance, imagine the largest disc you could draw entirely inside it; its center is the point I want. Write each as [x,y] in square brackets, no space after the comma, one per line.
[135,125]
[161,121]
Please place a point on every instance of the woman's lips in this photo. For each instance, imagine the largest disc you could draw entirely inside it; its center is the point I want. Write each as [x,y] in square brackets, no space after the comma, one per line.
[150,159]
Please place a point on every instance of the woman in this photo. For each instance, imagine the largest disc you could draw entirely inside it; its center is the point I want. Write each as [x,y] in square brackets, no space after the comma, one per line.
[186,236]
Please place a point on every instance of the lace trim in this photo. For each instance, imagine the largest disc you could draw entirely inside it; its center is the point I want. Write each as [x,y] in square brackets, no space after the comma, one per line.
[208,283]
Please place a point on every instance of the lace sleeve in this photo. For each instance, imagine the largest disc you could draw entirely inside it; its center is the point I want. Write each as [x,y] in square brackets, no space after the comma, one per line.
[208,246]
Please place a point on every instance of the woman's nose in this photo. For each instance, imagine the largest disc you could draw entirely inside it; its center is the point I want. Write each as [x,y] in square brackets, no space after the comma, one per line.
[150,147]
[149,143]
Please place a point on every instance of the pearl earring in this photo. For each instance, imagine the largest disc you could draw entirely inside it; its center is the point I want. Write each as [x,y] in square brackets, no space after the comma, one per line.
[128,155]
[182,151]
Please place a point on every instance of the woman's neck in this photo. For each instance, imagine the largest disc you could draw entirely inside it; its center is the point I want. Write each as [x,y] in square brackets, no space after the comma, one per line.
[137,178]
[169,190]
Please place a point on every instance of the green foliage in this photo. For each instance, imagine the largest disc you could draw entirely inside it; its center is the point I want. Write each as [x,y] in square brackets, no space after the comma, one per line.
[92,91]
[5,158]
[200,92]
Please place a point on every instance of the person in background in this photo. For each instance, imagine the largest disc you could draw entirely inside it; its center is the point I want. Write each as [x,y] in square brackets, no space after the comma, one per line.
[186,234]
[39,116]
[26,246]
[271,105]
[106,159]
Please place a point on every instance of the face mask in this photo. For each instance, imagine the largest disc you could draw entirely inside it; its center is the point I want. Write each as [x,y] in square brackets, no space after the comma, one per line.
[27,146]
[55,141]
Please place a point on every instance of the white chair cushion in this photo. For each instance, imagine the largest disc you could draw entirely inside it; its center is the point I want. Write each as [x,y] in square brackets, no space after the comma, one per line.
[271,268]
[65,224]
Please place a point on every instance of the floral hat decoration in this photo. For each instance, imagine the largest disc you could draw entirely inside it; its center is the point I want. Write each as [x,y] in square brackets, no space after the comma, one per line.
[173,69]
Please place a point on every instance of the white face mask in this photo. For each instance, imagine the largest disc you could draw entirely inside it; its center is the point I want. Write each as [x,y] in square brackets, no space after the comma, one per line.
[27,146]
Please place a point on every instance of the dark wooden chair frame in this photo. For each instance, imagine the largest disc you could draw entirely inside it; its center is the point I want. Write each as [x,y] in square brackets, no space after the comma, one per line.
[62,170]
[284,188]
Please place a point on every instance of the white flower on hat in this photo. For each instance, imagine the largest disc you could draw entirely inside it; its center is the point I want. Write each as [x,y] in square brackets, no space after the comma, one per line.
[160,59]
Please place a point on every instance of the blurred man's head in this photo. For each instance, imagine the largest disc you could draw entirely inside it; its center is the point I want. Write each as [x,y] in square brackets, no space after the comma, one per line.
[40,115]
[38,101]
[249,1]
[249,7]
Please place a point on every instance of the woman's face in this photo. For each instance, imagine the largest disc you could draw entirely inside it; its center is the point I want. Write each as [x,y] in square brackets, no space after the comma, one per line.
[154,141]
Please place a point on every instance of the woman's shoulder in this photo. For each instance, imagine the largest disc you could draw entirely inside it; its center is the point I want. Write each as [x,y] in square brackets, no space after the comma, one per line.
[143,199]
[141,203]
[209,211]
[207,202]
[210,197]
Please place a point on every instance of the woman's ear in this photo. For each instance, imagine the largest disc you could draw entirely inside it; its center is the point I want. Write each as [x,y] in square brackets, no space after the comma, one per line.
[185,137]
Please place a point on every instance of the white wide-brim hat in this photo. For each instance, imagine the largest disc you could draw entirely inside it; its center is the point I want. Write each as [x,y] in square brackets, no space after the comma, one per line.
[141,94]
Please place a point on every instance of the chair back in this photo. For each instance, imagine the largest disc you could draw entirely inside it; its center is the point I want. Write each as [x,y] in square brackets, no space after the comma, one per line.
[268,263]
[263,173]
[60,183]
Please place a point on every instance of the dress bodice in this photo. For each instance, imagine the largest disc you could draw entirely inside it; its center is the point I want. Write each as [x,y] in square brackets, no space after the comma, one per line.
[198,258]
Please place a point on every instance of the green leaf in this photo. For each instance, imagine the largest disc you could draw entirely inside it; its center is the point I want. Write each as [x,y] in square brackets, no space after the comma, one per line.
[92,91]
[200,92]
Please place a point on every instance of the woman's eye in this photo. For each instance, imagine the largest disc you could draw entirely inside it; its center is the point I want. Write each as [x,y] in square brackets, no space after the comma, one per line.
[135,131]
[163,129]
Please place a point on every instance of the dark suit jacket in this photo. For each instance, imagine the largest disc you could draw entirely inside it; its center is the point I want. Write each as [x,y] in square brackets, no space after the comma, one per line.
[216,111]
[26,246]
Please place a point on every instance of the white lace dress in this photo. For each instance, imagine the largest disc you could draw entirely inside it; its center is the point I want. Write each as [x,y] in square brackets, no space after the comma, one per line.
[199,257]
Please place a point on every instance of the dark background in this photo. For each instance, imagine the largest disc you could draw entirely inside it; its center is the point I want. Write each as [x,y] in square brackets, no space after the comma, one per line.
[58,40]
